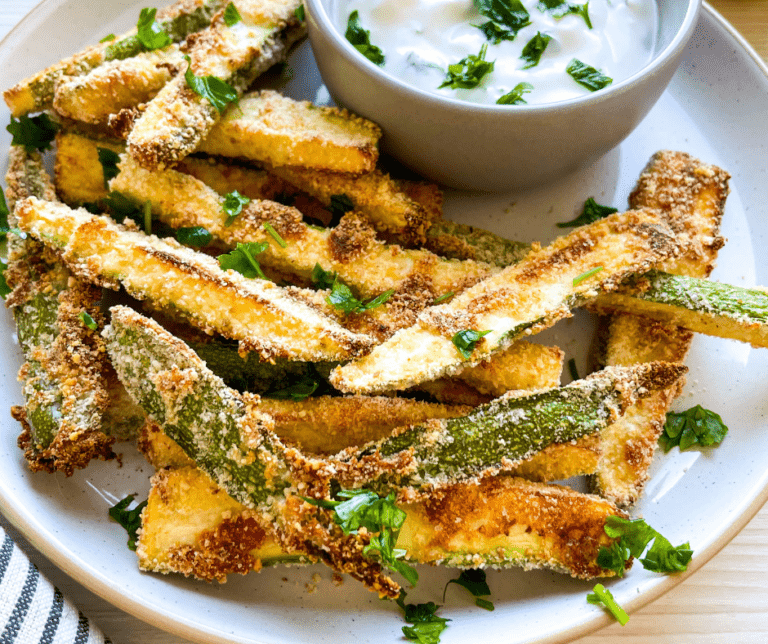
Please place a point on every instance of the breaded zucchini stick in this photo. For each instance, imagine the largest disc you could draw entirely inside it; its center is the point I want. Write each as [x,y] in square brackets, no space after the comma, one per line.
[64,376]
[192,526]
[270,128]
[522,299]
[351,250]
[459,241]
[179,20]
[177,119]
[116,85]
[692,195]
[260,315]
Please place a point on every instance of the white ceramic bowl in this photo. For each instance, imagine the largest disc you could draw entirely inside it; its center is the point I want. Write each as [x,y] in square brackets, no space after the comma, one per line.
[495,147]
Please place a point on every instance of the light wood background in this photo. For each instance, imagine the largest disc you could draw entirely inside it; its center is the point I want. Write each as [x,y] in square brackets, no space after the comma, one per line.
[726,602]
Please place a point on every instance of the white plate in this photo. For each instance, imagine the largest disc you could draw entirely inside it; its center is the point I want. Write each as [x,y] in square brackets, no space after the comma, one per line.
[716,109]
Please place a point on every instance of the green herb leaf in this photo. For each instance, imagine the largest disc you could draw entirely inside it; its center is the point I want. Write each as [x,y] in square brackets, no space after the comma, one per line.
[299,13]
[695,426]
[130,519]
[587,76]
[601,595]
[35,133]
[298,391]
[380,516]
[231,15]
[561,8]
[322,279]
[4,212]
[580,278]
[468,72]
[515,97]
[427,626]
[507,17]
[195,236]
[108,37]
[340,204]
[233,205]
[361,40]
[148,217]
[591,213]
[474,580]
[122,208]
[466,341]
[149,32]
[88,321]
[534,49]
[572,369]
[633,537]
[270,229]
[443,297]
[109,160]
[342,298]
[219,93]
[5,290]
[242,259]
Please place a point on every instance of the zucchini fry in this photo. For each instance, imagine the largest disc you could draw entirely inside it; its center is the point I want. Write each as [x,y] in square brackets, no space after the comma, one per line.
[64,373]
[270,128]
[192,526]
[116,85]
[459,241]
[522,299]
[177,119]
[263,317]
[179,20]
[351,249]
[692,196]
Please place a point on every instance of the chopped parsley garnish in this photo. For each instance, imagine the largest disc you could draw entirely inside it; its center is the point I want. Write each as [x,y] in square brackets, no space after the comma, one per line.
[122,208]
[534,49]
[150,32]
[270,229]
[380,517]
[593,271]
[474,580]
[339,206]
[195,236]
[591,213]
[515,97]
[587,76]
[233,205]
[506,18]
[466,341]
[322,278]
[632,538]
[129,519]
[427,626]
[88,321]
[219,93]
[242,259]
[695,426]
[4,212]
[299,13]
[601,595]
[360,39]
[109,160]
[298,391]
[342,298]
[562,8]
[231,15]
[444,297]
[34,133]
[4,288]
[108,38]
[148,217]
[572,369]
[468,72]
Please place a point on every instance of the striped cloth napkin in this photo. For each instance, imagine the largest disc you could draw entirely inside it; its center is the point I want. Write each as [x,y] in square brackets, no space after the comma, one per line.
[32,610]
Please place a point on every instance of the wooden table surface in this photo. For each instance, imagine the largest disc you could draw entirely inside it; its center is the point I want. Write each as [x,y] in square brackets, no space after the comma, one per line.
[725,602]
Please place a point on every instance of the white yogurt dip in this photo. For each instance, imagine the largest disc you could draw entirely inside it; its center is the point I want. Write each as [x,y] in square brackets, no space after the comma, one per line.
[420,38]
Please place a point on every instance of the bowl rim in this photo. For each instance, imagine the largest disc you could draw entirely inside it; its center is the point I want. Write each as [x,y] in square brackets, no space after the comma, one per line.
[316,13]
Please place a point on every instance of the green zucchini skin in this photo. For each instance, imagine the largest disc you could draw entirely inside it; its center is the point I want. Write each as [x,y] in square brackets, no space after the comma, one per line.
[480,245]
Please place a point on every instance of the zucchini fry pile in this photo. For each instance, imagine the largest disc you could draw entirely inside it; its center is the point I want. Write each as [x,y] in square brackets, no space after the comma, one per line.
[331,331]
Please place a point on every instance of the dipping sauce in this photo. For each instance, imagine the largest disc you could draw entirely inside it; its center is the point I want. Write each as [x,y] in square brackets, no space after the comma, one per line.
[421,38]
